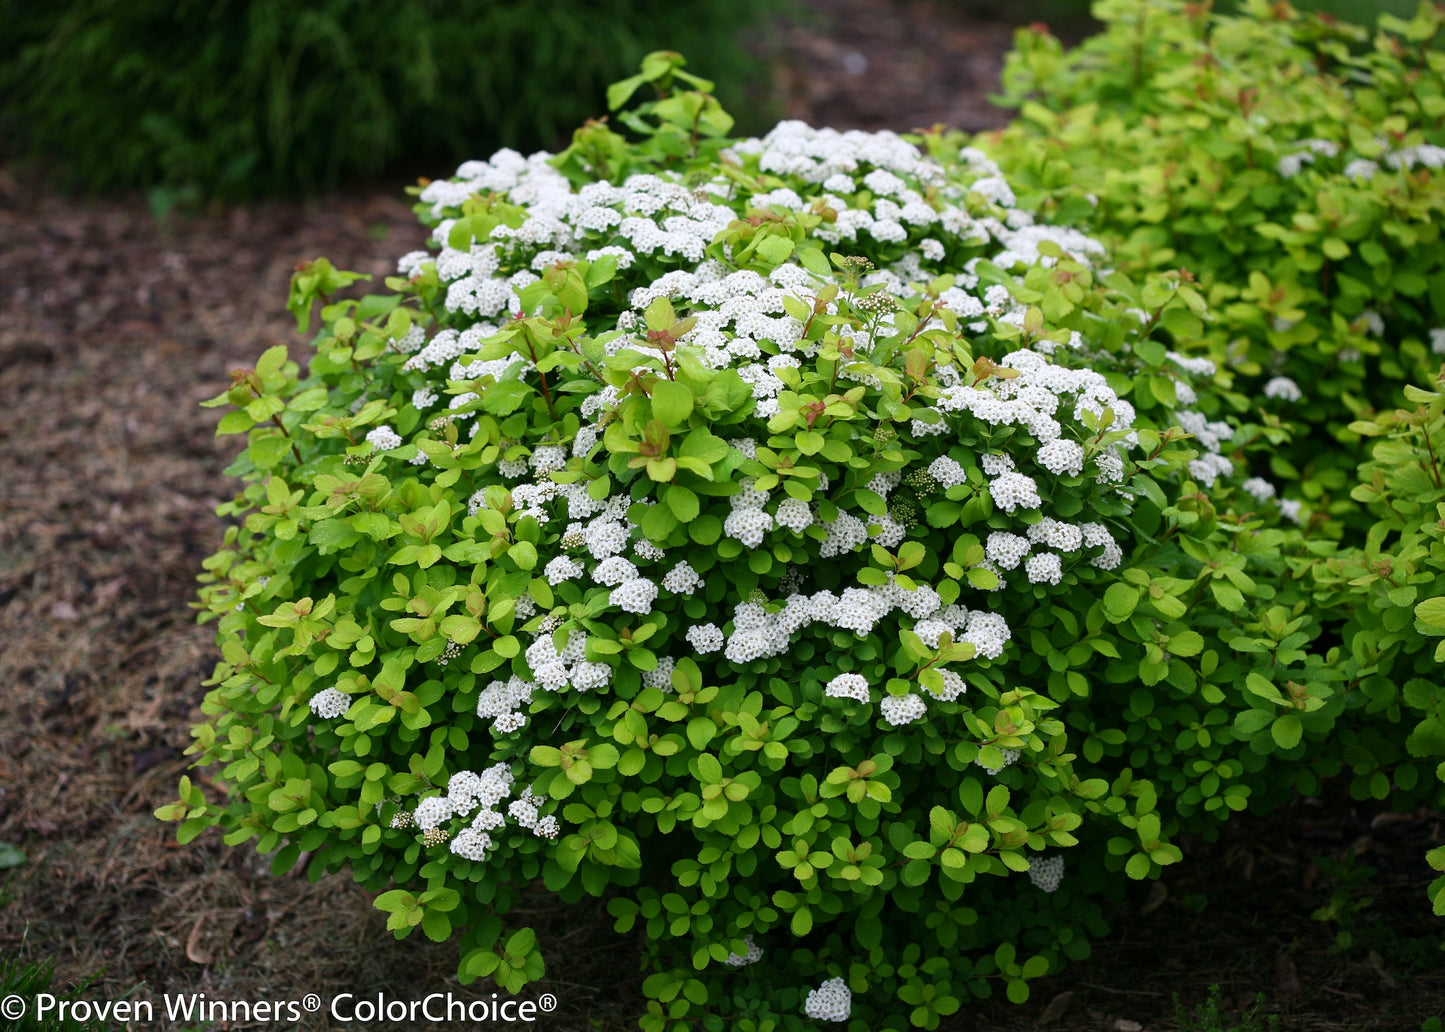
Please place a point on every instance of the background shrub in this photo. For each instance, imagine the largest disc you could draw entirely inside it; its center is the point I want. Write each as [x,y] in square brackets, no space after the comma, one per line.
[1292,164]
[236,99]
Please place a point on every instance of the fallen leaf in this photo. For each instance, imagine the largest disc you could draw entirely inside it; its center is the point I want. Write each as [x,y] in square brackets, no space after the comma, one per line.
[1054,1012]
[1158,893]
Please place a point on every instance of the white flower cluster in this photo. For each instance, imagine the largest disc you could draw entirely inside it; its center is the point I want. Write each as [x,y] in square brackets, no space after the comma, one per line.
[1258,488]
[752,956]
[1425,154]
[1289,165]
[502,702]
[759,632]
[1010,757]
[468,791]
[902,709]
[1283,388]
[1361,168]
[1047,872]
[330,703]
[848,686]
[831,1001]
[1210,437]
[384,438]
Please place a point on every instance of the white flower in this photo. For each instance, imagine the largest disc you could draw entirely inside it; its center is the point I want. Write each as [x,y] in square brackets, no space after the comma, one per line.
[547,827]
[1044,568]
[1009,757]
[613,570]
[635,595]
[330,703]
[431,812]
[831,1001]
[988,633]
[705,638]
[471,844]
[1047,872]
[794,514]
[997,465]
[1289,166]
[1361,168]
[845,533]
[587,676]
[902,709]
[752,956]
[1283,388]
[847,686]
[562,568]
[947,472]
[748,525]
[548,458]
[1012,491]
[384,438]
[605,537]
[509,722]
[682,579]
[1062,457]
[953,686]
[1424,154]
[1056,534]
[1259,488]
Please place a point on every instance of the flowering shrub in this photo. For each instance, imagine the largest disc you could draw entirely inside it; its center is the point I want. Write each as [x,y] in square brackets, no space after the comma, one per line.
[1289,161]
[790,539]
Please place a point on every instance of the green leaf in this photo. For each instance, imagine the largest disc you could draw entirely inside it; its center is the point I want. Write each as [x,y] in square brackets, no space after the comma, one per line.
[671,402]
[1186,643]
[524,554]
[1286,731]
[1430,616]
[682,502]
[1120,601]
[1227,595]
[436,926]
[620,93]
[775,249]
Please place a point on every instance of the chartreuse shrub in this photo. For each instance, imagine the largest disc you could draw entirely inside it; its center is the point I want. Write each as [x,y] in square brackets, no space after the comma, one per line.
[789,539]
[1295,165]
[1393,589]
[237,99]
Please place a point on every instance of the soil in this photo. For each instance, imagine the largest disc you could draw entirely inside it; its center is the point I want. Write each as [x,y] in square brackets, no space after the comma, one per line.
[116,325]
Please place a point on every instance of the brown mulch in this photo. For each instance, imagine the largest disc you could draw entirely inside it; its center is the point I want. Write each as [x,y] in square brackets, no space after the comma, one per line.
[115,326]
